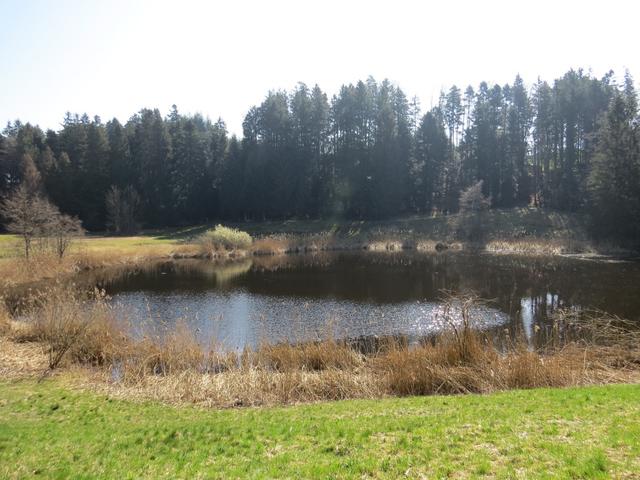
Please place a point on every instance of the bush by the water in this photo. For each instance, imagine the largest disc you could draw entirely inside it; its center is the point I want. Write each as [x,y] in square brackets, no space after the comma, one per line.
[226,238]
[75,324]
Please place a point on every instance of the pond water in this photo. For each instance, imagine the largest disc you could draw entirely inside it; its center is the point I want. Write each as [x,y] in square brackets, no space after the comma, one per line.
[352,295]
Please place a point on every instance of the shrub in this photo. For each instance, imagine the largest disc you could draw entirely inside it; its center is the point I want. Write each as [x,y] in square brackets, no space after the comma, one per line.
[472,200]
[76,325]
[63,229]
[473,207]
[226,238]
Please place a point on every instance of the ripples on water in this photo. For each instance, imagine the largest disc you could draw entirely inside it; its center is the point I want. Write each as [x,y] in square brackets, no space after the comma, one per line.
[240,318]
[352,295]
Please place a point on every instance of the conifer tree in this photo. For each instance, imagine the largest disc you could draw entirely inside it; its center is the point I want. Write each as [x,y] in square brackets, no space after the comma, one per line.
[615,174]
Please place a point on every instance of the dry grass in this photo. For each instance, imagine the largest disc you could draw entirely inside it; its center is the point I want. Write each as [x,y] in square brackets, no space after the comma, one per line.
[308,357]
[279,244]
[5,319]
[45,266]
[72,325]
[271,245]
[537,246]
[81,330]
[19,360]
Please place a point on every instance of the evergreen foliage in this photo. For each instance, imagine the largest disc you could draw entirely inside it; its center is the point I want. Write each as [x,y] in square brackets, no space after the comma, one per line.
[366,152]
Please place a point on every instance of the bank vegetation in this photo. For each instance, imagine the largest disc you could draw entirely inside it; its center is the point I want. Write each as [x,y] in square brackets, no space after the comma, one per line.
[64,331]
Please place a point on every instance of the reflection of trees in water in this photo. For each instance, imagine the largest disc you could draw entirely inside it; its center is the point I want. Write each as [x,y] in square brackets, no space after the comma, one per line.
[527,288]
[361,294]
[271,263]
[169,275]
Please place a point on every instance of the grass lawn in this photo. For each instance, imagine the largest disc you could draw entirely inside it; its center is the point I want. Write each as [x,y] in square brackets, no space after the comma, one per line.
[11,246]
[49,430]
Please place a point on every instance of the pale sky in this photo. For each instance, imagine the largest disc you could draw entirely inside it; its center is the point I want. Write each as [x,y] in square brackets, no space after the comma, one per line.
[111,58]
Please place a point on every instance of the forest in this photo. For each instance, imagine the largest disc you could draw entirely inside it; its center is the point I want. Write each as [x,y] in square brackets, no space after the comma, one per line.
[368,152]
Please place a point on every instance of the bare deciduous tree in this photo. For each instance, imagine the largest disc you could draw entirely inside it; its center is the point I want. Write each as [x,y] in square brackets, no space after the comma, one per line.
[31,216]
[28,215]
[63,229]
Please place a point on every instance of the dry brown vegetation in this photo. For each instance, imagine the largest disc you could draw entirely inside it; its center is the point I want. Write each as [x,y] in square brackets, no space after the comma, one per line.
[5,320]
[81,330]
[279,244]
[68,323]
[44,265]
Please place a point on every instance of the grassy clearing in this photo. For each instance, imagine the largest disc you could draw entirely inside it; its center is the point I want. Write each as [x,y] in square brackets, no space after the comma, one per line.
[50,430]
[524,231]
[109,251]
[518,226]
[10,244]
[85,253]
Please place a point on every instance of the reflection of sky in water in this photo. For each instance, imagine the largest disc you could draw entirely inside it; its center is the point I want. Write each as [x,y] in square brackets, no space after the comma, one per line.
[350,295]
[529,310]
[238,318]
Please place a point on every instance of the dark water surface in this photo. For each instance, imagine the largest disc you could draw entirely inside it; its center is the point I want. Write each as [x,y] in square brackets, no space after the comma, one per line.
[360,294]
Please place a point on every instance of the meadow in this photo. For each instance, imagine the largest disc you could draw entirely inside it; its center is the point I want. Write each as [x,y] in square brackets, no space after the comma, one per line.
[80,396]
[528,231]
[53,430]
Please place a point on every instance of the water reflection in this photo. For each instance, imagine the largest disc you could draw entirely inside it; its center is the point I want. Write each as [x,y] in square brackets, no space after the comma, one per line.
[302,296]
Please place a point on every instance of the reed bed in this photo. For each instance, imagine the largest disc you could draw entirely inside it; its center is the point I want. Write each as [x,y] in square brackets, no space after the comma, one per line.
[375,241]
[81,330]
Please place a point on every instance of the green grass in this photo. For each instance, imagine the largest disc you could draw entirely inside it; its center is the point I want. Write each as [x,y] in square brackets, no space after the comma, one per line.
[49,430]
[101,243]
[503,223]
[516,223]
[11,247]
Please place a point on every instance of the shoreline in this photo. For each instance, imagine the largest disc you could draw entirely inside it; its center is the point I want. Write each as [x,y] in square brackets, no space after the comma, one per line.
[517,231]
[82,261]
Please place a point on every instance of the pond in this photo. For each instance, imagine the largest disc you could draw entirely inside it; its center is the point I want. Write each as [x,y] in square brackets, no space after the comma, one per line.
[353,295]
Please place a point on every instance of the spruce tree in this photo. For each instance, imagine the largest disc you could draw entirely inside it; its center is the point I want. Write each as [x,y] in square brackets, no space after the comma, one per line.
[615,174]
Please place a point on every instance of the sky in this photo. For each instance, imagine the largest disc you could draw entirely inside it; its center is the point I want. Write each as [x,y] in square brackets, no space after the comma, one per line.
[113,57]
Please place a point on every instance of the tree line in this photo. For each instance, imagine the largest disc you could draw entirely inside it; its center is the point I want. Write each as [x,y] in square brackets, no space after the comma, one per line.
[369,151]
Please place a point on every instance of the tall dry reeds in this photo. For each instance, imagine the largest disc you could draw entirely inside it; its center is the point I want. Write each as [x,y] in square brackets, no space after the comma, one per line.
[5,319]
[72,324]
[307,357]
[583,348]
